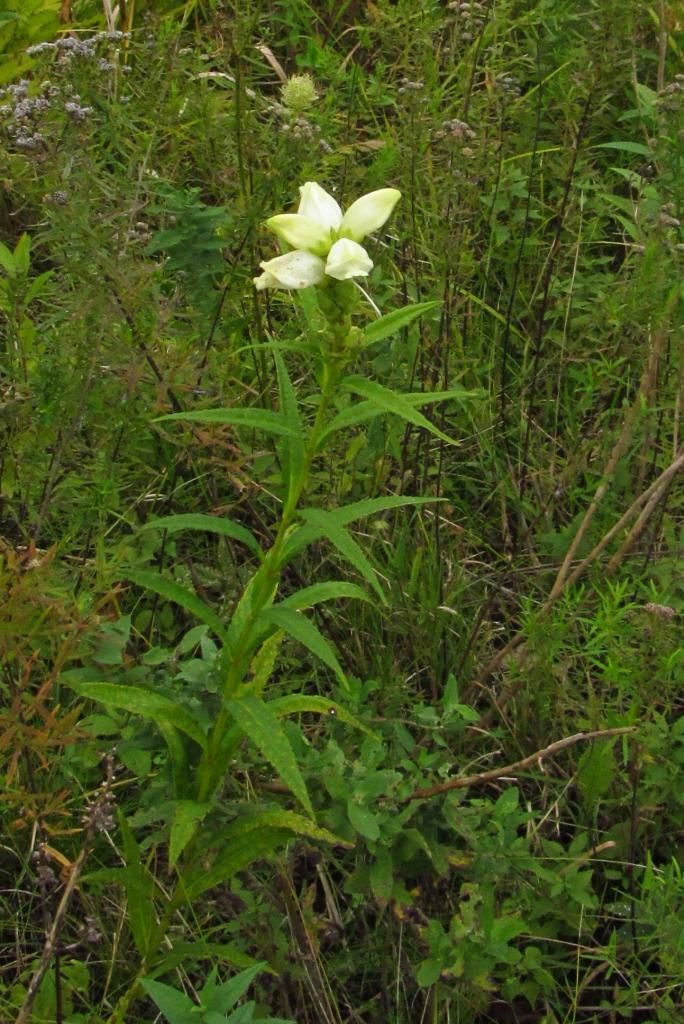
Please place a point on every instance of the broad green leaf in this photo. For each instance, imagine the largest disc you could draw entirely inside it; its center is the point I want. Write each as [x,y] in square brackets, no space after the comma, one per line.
[363,411]
[331,590]
[174,592]
[303,703]
[240,853]
[291,448]
[256,719]
[141,702]
[176,1006]
[274,818]
[221,998]
[303,630]
[22,254]
[187,815]
[395,321]
[336,534]
[595,772]
[382,876]
[206,523]
[363,820]
[140,887]
[257,419]
[393,403]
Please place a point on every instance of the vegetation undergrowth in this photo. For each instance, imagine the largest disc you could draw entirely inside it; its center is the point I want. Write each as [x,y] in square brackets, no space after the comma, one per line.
[340,649]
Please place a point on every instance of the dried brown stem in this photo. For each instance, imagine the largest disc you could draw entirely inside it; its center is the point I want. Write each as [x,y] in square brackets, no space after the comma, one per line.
[466,781]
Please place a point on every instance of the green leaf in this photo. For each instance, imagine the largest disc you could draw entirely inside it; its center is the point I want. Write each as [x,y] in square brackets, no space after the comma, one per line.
[257,419]
[381,876]
[301,629]
[221,998]
[183,952]
[291,449]
[174,592]
[177,756]
[187,816]
[363,820]
[22,255]
[275,818]
[240,853]
[302,703]
[395,321]
[141,702]
[328,527]
[595,772]
[257,720]
[175,1005]
[393,403]
[206,523]
[429,971]
[263,663]
[140,887]
[627,147]
[7,261]
[331,590]
[363,411]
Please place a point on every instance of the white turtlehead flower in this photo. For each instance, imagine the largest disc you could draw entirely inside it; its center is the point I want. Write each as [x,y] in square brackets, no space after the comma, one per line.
[325,240]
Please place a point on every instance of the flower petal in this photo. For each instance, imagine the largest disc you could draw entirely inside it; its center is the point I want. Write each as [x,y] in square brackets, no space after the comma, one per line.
[296,269]
[319,205]
[301,232]
[369,213]
[348,259]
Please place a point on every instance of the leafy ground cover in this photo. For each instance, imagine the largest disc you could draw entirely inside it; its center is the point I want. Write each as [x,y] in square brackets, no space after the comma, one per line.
[360,700]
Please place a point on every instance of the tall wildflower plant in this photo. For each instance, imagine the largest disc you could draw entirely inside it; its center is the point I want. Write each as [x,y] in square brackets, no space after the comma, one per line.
[324,265]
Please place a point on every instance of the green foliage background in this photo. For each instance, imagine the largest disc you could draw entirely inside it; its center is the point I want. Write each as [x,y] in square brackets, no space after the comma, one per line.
[538,147]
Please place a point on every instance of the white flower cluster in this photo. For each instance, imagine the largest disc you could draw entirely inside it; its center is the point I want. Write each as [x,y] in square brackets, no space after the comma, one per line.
[325,241]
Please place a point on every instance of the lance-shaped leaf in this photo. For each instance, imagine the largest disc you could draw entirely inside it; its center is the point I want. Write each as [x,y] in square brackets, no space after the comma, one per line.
[258,722]
[361,412]
[301,629]
[257,419]
[301,703]
[393,403]
[291,448]
[395,321]
[207,524]
[174,592]
[140,886]
[141,702]
[187,816]
[239,854]
[309,534]
[275,817]
[330,528]
[331,590]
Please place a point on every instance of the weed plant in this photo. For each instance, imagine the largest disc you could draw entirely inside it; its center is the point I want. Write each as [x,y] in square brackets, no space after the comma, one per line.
[413,830]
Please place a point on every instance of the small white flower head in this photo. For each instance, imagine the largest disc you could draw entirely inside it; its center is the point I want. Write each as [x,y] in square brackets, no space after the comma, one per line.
[299,93]
[328,238]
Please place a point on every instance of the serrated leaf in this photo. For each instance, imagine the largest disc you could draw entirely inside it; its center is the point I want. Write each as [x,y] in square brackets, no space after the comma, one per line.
[207,524]
[263,663]
[187,815]
[257,419]
[174,592]
[258,722]
[337,535]
[393,403]
[395,321]
[141,702]
[302,629]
